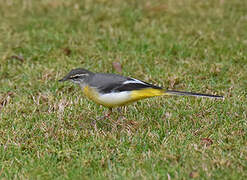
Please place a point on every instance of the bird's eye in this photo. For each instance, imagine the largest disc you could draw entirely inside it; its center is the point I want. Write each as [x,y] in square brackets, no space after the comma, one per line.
[76,77]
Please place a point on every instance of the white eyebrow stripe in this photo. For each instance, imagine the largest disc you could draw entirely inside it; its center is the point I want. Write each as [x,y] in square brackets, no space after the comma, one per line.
[134,81]
[78,75]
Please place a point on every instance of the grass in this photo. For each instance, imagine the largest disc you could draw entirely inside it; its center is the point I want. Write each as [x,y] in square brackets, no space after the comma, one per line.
[46,127]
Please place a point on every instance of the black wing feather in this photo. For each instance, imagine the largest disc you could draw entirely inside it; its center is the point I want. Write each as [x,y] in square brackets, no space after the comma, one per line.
[108,83]
[135,86]
[126,87]
[109,88]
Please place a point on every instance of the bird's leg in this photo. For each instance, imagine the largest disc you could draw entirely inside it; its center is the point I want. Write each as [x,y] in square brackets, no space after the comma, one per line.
[109,113]
[119,109]
[106,115]
[121,113]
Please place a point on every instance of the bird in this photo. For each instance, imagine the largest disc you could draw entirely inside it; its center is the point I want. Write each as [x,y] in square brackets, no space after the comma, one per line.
[114,90]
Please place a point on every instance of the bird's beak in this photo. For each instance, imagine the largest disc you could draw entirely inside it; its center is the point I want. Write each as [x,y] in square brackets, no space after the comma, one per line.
[64,79]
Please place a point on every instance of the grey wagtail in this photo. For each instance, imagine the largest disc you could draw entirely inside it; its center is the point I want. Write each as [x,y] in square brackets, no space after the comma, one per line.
[113,90]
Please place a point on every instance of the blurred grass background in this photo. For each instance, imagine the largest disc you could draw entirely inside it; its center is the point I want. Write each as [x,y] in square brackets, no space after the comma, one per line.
[47,129]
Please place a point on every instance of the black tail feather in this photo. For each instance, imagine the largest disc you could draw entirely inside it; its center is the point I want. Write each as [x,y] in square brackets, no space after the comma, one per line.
[183,93]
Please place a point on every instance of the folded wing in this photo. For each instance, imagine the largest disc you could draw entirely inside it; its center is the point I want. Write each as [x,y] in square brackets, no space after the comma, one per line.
[108,83]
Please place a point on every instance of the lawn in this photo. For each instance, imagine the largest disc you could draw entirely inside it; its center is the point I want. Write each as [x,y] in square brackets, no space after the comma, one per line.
[49,130]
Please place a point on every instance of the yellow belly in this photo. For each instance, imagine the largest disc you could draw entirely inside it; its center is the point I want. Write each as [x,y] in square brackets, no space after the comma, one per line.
[146,93]
[120,98]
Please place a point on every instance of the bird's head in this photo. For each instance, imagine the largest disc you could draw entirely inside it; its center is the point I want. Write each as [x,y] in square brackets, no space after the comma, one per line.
[77,76]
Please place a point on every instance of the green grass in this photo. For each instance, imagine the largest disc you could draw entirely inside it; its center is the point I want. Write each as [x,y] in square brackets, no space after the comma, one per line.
[47,129]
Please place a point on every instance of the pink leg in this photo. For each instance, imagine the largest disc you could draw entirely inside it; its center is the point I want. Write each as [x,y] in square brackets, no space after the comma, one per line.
[109,113]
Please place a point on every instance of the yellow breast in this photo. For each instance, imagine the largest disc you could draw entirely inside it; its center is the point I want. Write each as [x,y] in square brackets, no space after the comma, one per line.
[91,93]
[115,99]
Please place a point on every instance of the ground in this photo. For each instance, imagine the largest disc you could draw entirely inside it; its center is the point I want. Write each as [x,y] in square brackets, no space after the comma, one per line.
[49,130]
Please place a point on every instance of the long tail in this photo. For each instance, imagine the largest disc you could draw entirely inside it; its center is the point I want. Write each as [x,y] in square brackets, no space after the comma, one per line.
[183,93]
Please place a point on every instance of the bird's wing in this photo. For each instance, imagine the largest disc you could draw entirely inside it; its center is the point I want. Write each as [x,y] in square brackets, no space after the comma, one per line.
[107,83]
[132,84]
